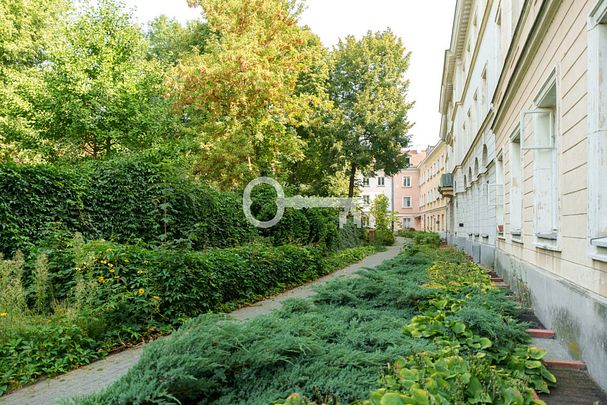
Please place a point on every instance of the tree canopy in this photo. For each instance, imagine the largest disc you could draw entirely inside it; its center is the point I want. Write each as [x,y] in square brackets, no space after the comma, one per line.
[242,94]
[243,91]
[369,89]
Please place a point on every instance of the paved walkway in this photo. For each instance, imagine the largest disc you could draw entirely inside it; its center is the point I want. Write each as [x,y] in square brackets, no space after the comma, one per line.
[104,372]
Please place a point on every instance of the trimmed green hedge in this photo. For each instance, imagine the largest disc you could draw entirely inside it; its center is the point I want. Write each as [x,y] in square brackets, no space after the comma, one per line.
[187,283]
[125,199]
[421,237]
[143,198]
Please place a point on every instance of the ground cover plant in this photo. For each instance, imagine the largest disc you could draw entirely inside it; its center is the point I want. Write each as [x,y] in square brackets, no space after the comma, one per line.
[459,344]
[77,304]
[333,348]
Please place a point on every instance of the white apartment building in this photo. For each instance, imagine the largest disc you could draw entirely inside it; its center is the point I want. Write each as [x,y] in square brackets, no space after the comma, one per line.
[371,188]
[524,118]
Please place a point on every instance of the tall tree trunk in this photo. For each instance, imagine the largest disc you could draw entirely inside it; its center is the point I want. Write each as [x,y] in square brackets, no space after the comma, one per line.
[352,178]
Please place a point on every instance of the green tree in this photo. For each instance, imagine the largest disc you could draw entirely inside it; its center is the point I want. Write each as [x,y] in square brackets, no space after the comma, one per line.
[241,95]
[27,27]
[101,93]
[369,89]
[169,40]
[379,211]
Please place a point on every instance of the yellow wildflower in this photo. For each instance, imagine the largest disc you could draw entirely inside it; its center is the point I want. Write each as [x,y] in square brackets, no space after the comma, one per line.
[112,270]
[126,260]
[156,297]
[140,272]
[101,279]
[103,262]
[141,291]
[110,265]
[3,314]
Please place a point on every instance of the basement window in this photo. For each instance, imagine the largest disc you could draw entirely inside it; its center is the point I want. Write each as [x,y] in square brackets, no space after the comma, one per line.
[597,132]
[543,142]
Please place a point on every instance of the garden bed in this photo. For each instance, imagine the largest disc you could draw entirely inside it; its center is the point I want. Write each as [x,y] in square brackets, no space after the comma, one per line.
[461,343]
[122,295]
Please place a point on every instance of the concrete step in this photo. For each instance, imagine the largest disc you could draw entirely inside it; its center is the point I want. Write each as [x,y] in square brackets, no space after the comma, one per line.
[541,333]
[557,356]
[497,279]
[565,364]
[502,285]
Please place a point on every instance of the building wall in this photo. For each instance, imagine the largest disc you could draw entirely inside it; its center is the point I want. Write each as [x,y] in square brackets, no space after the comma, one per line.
[540,197]
[409,216]
[373,190]
[472,70]
[433,207]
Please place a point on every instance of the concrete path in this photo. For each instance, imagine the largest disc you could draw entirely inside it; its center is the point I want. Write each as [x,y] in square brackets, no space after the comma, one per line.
[102,373]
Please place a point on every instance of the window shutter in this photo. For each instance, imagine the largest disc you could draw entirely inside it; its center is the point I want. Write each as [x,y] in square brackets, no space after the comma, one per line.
[543,130]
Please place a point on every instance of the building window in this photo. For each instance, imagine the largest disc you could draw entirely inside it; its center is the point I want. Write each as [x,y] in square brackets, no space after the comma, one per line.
[516,187]
[496,196]
[485,158]
[365,182]
[406,181]
[406,202]
[366,199]
[381,182]
[542,141]
[597,130]
[406,222]
[484,90]
[365,221]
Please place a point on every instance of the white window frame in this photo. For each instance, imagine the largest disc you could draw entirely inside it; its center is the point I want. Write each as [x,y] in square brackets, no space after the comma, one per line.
[381,182]
[407,222]
[407,181]
[366,182]
[516,191]
[597,132]
[535,113]
[366,199]
[548,238]
[405,198]
[498,196]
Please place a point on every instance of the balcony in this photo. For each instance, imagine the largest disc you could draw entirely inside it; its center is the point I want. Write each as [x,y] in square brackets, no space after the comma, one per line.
[445,186]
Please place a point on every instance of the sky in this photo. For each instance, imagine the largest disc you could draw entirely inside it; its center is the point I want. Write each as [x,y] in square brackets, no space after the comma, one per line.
[424,26]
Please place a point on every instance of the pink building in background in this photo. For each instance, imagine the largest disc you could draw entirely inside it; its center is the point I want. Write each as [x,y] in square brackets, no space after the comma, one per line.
[407,193]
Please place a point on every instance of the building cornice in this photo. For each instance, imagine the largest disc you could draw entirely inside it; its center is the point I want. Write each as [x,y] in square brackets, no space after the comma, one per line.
[459,33]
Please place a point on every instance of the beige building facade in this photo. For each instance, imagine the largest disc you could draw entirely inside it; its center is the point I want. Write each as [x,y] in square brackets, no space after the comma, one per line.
[407,197]
[433,207]
[524,106]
